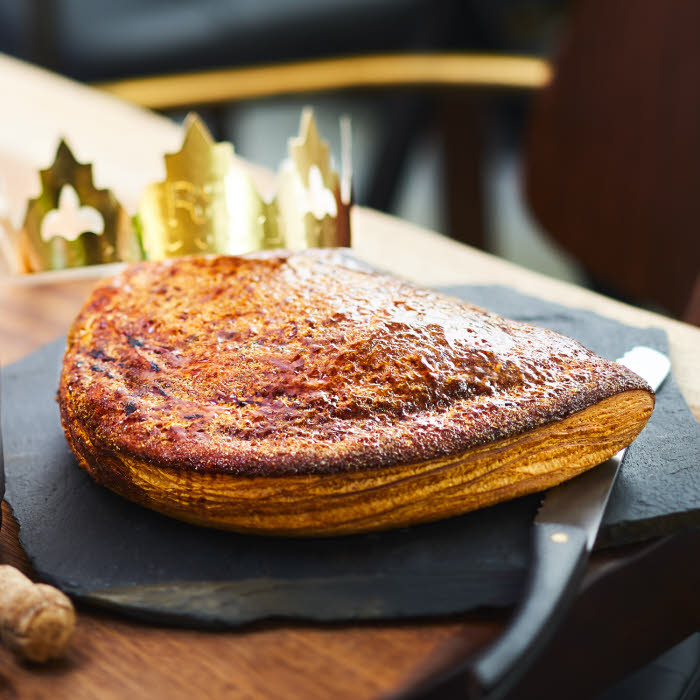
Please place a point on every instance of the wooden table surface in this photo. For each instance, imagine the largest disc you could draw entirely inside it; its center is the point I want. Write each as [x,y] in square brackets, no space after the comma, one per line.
[112,657]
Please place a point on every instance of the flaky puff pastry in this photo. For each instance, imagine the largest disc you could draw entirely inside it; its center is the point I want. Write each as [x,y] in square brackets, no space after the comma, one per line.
[300,394]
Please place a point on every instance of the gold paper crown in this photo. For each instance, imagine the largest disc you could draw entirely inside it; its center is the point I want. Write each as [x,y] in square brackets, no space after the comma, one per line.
[71,223]
[207,204]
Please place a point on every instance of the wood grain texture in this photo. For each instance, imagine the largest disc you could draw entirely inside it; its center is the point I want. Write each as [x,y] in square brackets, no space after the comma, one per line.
[117,658]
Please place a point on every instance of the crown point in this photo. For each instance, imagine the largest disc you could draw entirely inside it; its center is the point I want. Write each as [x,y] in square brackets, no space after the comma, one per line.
[200,159]
[196,128]
[308,127]
[310,149]
[64,149]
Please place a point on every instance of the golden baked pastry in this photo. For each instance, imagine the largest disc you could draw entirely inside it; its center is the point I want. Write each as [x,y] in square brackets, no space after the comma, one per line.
[297,393]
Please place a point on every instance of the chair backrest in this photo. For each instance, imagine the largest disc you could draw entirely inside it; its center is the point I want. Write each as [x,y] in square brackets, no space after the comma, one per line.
[613,162]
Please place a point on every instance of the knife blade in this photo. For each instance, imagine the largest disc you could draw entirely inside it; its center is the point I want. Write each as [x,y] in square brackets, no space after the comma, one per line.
[564,533]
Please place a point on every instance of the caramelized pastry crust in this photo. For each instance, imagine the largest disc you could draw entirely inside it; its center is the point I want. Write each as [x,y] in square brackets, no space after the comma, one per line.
[305,364]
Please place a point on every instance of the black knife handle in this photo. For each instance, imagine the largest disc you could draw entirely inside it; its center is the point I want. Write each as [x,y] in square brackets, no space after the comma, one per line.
[559,556]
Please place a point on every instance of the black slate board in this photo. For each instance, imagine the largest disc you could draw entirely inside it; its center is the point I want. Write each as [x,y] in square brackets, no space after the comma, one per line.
[101,548]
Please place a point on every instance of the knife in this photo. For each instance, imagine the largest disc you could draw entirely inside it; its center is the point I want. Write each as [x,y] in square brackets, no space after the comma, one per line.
[564,533]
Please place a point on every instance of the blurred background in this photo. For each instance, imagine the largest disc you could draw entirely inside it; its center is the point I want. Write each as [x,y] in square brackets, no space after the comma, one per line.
[594,178]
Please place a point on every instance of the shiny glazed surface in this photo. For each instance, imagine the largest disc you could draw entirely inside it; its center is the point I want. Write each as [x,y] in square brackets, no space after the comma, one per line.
[301,363]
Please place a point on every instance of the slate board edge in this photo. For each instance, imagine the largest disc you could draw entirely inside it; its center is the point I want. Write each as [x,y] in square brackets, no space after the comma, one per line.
[134,602]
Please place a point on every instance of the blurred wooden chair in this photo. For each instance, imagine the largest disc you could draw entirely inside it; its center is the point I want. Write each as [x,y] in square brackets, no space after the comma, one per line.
[613,160]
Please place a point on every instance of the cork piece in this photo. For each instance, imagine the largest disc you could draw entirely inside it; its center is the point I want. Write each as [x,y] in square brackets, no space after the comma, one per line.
[36,620]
